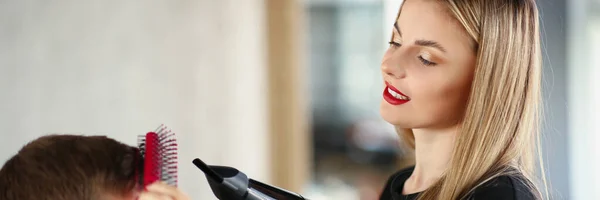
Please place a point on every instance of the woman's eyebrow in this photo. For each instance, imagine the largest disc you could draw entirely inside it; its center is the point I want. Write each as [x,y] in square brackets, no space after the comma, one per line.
[430,43]
[425,43]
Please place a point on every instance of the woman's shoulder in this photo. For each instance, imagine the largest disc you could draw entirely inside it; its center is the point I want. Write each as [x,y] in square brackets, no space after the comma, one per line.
[505,187]
[394,184]
[398,178]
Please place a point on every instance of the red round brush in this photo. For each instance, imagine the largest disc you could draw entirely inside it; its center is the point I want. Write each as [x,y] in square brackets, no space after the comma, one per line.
[159,154]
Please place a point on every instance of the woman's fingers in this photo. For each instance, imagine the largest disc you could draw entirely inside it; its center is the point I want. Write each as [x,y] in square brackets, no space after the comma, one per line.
[167,190]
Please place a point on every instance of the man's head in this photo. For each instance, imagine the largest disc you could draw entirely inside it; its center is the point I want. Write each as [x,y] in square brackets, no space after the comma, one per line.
[69,167]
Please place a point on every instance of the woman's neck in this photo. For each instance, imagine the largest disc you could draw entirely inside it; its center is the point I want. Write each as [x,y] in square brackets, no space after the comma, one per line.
[433,149]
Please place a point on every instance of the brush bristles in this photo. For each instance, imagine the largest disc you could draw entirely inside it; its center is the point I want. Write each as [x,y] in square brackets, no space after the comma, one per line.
[159,151]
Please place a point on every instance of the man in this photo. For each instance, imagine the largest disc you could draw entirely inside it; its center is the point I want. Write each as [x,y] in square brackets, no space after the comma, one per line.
[72,167]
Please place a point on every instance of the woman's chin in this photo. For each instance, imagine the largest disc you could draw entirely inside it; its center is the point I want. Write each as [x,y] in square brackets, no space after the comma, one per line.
[399,124]
[396,119]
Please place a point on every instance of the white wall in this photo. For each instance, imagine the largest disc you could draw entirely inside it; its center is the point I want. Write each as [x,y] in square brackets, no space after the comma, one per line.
[122,68]
[594,97]
[583,98]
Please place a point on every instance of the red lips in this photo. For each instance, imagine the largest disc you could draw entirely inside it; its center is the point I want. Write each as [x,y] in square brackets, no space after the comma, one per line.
[390,98]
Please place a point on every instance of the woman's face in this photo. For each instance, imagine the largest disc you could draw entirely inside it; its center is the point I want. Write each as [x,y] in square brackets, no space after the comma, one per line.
[427,69]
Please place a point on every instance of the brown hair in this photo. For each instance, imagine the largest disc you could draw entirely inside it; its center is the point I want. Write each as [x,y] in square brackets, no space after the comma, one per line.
[66,167]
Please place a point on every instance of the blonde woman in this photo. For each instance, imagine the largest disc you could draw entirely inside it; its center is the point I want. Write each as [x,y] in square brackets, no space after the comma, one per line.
[462,86]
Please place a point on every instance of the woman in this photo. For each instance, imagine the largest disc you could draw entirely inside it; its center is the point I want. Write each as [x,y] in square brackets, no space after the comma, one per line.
[462,87]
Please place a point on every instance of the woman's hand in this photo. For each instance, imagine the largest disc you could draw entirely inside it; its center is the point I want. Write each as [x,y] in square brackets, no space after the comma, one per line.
[162,191]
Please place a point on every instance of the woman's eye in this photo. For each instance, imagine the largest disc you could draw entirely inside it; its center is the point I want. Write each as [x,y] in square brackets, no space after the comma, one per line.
[394,44]
[426,62]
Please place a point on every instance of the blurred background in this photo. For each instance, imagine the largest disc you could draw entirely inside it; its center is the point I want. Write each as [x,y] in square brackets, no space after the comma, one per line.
[287,91]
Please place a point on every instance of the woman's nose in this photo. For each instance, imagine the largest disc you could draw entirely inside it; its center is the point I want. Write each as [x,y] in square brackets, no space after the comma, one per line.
[393,70]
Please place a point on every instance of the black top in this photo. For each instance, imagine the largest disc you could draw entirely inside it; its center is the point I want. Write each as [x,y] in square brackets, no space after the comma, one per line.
[500,188]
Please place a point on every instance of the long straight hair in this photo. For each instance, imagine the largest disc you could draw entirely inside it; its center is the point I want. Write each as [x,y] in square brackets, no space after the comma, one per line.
[499,133]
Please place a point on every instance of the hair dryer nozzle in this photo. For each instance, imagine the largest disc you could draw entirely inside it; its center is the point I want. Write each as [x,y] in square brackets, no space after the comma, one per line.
[228,183]
[208,171]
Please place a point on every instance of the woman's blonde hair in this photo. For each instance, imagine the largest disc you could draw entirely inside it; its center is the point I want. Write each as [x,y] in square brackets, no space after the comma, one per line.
[499,132]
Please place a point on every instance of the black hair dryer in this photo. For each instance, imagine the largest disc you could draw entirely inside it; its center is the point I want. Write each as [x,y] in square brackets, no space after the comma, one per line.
[228,183]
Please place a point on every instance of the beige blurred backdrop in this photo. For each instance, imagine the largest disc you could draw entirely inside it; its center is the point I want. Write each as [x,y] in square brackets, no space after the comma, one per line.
[123,68]
[287,91]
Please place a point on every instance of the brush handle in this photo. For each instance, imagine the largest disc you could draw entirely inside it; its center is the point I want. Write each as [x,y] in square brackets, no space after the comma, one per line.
[151,159]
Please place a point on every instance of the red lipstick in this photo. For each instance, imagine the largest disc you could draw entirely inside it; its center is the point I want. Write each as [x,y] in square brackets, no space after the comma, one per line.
[394,97]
